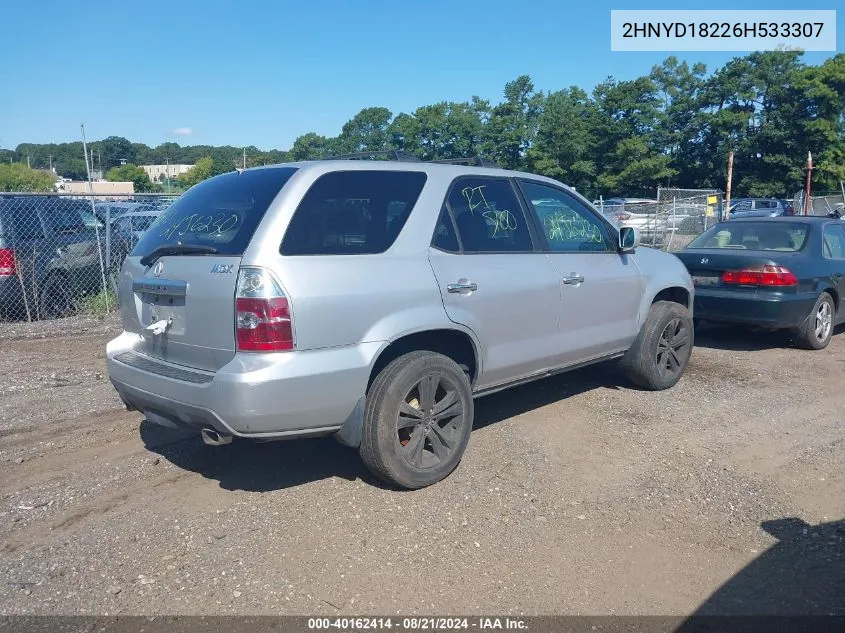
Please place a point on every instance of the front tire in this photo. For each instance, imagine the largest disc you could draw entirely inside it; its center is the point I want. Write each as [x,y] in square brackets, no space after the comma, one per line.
[662,349]
[817,329]
[418,420]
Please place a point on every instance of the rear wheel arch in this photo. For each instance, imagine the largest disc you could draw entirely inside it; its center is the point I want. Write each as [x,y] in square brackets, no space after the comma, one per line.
[452,343]
[833,295]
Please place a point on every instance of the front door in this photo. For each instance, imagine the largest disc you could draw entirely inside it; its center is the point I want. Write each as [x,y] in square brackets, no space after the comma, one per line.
[494,282]
[601,289]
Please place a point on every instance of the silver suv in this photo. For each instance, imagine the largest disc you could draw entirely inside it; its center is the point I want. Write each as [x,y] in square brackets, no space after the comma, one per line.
[373,300]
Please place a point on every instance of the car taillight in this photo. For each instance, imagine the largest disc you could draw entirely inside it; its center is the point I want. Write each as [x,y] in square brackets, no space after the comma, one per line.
[262,313]
[7,262]
[768,275]
[621,217]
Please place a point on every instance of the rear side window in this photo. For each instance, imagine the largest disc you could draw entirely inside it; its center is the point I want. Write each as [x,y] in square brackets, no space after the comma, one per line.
[222,212]
[353,213]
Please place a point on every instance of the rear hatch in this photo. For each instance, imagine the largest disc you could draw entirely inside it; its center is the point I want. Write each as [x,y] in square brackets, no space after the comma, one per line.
[177,287]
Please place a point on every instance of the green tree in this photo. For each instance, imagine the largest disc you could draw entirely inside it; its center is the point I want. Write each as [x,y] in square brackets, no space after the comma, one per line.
[202,169]
[113,150]
[367,131]
[823,124]
[566,139]
[310,146]
[131,173]
[73,168]
[630,156]
[512,124]
[19,177]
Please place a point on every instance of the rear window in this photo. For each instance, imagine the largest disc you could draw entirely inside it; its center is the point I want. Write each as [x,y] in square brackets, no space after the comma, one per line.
[68,216]
[222,212]
[756,236]
[353,213]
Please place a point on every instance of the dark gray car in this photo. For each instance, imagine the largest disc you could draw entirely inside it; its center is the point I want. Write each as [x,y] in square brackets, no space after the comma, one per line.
[48,256]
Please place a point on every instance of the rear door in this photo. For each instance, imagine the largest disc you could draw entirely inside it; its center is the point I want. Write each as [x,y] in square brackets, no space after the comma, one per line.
[601,290]
[193,294]
[833,251]
[493,281]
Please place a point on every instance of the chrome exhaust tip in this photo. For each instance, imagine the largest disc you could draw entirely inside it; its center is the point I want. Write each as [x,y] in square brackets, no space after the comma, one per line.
[213,438]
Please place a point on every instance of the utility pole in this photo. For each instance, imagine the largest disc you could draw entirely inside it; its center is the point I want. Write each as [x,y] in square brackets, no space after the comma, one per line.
[167,174]
[27,161]
[728,187]
[244,157]
[50,158]
[807,200]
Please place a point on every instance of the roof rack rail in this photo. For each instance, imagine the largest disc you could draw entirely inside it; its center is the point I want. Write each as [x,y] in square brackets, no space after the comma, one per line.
[395,154]
[477,161]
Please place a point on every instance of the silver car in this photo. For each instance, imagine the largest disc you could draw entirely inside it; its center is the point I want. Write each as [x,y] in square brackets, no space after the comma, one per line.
[374,300]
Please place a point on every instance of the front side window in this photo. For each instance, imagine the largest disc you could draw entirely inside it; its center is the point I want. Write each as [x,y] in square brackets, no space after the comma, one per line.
[488,216]
[353,212]
[568,225]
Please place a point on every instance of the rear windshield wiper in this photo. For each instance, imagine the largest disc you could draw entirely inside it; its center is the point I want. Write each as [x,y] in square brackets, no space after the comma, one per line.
[176,249]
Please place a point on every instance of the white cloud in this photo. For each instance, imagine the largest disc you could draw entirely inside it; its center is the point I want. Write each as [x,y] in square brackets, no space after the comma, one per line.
[183,131]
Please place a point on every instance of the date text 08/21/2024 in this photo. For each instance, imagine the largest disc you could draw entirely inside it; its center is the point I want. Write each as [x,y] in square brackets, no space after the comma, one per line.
[417,623]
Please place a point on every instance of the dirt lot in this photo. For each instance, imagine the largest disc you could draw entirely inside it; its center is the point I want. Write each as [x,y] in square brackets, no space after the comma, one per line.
[578,495]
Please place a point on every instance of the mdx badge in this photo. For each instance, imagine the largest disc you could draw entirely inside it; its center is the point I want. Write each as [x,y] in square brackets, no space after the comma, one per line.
[704,260]
[222,269]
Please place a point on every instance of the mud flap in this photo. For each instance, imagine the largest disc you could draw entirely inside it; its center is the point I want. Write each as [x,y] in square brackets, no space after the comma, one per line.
[350,433]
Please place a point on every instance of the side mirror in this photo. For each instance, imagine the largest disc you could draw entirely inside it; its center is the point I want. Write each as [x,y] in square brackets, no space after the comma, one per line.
[629,239]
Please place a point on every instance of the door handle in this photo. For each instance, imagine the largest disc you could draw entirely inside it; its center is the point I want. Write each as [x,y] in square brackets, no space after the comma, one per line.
[573,279]
[462,286]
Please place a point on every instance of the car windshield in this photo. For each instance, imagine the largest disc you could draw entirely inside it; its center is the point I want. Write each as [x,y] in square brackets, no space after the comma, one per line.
[757,236]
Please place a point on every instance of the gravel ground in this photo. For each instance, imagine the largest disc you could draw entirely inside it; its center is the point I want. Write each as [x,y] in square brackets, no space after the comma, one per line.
[578,495]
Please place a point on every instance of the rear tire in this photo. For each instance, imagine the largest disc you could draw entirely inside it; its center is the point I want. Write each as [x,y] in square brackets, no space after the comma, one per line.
[56,298]
[662,349]
[417,421]
[817,330]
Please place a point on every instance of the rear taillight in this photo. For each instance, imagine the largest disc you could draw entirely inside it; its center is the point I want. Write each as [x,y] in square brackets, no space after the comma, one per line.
[7,262]
[768,275]
[262,313]
[621,217]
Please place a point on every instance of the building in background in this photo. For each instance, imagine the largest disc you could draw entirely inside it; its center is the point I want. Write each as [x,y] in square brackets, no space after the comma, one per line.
[160,173]
[101,188]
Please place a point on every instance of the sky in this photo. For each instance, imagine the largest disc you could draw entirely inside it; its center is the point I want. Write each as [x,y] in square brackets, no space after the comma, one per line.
[262,72]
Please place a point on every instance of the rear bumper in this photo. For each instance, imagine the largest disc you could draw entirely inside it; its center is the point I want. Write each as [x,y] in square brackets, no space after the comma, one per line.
[255,395]
[765,309]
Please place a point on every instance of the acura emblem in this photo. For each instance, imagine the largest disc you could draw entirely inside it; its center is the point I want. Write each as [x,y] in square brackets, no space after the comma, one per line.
[704,260]
[158,268]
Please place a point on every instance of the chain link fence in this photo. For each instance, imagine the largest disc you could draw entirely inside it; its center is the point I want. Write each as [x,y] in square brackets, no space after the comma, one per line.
[820,204]
[60,255]
[670,220]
